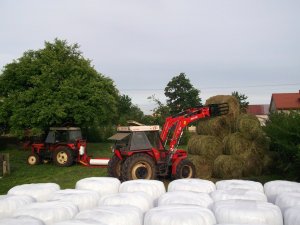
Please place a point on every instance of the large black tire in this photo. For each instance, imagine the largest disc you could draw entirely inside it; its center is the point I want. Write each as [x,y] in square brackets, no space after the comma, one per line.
[63,157]
[33,159]
[114,167]
[139,166]
[185,169]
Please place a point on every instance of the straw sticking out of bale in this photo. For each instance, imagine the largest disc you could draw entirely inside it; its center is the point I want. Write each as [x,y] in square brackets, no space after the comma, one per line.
[228,167]
[204,166]
[208,146]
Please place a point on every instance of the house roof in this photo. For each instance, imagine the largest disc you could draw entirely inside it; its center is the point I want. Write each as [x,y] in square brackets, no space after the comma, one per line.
[286,100]
[258,109]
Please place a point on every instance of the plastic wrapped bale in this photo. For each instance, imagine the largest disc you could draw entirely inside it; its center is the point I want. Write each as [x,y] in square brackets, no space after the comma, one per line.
[292,215]
[228,167]
[218,127]
[247,212]
[208,146]
[236,144]
[83,199]
[10,203]
[192,184]
[276,187]
[80,222]
[102,185]
[140,200]
[49,212]
[153,188]
[121,215]
[241,224]
[239,184]
[40,191]
[185,198]
[244,194]
[249,126]
[178,215]
[287,200]
[203,166]
[24,220]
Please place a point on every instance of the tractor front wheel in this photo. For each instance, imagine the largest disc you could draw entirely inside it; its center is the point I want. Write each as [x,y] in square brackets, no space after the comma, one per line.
[114,167]
[33,159]
[139,166]
[63,157]
[185,169]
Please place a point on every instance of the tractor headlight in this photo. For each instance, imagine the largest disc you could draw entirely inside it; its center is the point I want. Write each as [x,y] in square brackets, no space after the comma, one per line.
[81,150]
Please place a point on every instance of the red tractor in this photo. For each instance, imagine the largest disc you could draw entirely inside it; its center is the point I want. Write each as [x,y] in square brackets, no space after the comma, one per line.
[63,146]
[140,151]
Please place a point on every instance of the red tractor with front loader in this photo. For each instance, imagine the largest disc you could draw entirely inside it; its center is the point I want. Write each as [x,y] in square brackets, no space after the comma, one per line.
[140,151]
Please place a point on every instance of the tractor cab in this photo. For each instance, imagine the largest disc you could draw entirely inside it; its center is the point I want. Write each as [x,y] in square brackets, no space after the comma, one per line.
[137,138]
[63,135]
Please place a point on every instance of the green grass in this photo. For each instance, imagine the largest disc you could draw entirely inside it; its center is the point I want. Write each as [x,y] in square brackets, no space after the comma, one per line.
[66,177]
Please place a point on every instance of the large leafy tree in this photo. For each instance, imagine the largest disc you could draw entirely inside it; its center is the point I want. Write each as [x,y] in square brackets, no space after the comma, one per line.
[52,86]
[181,94]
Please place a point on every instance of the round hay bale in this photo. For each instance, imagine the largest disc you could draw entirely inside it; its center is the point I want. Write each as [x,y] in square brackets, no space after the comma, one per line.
[249,126]
[218,126]
[234,105]
[205,145]
[253,164]
[236,144]
[228,167]
[204,166]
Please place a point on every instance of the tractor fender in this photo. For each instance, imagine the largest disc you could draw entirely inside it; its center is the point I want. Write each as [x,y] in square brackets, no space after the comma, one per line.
[176,162]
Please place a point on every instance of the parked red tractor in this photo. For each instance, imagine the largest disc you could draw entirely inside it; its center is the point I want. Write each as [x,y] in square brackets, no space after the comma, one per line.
[140,151]
[63,146]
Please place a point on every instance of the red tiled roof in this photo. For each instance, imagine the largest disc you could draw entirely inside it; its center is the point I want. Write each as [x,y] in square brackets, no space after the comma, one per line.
[286,100]
[258,109]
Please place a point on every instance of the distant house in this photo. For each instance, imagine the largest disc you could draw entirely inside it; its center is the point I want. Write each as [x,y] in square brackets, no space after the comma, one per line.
[285,102]
[260,111]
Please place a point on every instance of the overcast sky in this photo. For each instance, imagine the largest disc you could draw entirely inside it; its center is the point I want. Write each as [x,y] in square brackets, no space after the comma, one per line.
[250,46]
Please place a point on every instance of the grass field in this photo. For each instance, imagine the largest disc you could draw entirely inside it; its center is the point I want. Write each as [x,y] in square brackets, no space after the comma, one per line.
[66,177]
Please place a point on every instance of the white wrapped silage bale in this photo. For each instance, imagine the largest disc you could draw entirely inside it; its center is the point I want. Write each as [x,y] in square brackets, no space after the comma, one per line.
[140,200]
[219,195]
[239,184]
[80,222]
[83,199]
[185,198]
[21,220]
[247,212]
[241,224]
[10,203]
[102,185]
[287,199]
[192,184]
[40,191]
[179,215]
[153,188]
[276,187]
[49,212]
[292,216]
[120,215]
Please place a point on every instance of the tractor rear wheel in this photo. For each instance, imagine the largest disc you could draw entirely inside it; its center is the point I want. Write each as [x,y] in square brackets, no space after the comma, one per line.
[139,166]
[63,157]
[185,169]
[33,159]
[114,167]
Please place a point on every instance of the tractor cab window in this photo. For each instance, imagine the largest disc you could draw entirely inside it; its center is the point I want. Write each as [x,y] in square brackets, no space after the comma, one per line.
[61,136]
[155,140]
[140,141]
[50,139]
[75,135]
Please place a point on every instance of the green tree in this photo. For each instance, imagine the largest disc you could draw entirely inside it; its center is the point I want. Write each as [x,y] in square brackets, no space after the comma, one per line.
[52,86]
[284,132]
[181,94]
[242,98]
[160,112]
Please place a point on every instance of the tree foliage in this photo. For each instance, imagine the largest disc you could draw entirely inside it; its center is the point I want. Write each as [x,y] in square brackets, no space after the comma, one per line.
[52,86]
[242,98]
[181,94]
[284,132]
[160,112]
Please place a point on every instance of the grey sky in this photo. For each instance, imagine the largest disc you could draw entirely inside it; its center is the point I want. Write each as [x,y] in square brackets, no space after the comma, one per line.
[251,46]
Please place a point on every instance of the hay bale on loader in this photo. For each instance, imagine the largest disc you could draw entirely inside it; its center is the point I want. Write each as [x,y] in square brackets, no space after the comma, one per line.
[204,145]
[228,167]
[203,165]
